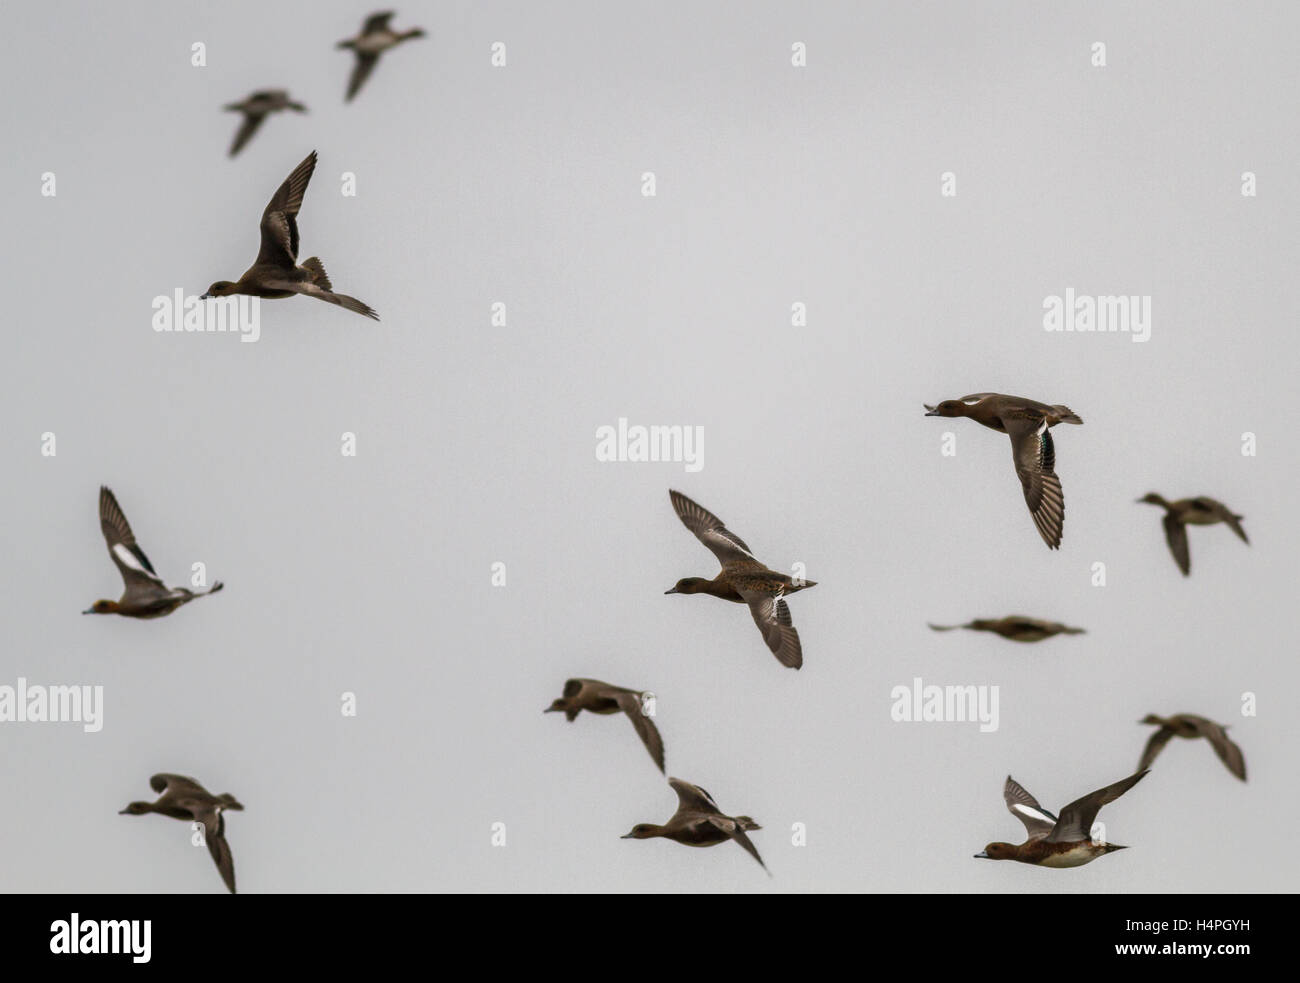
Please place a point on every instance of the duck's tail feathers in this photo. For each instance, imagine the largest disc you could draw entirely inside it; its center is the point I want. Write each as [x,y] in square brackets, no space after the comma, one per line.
[1067,415]
[357,306]
[318,275]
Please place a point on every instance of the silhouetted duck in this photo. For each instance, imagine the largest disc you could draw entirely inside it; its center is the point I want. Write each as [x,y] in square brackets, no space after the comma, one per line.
[1028,425]
[699,822]
[1190,726]
[1196,512]
[185,799]
[743,579]
[273,274]
[1016,627]
[375,38]
[1053,842]
[596,697]
[255,109]
[144,594]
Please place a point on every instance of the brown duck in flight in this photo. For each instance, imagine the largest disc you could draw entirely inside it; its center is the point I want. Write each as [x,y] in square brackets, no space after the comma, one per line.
[1028,424]
[743,579]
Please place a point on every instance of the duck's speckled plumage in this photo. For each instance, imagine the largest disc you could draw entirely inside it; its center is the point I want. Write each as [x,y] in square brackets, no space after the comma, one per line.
[743,579]
[1028,423]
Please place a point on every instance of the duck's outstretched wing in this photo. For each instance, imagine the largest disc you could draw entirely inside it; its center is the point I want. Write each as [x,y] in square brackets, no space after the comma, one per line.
[360,72]
[1224,747]
[1077,818]
[630,703]
[280,219]
[1155,744]
[131,562]
[1176,537]
[692,798]
[250,125]
[1035,460]
[733,829]
[709,530]
[1038,821]
[772,615]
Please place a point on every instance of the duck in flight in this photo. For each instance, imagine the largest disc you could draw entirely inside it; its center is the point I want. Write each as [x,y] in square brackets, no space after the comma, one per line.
[1195,512]
[256,108]
[144,594]
[596,697]
[1016,627]
[1028,424]
[275,273]
[185,799]
[699,822]
[375,38]
[1190,726]
[743,579]
[1053,842]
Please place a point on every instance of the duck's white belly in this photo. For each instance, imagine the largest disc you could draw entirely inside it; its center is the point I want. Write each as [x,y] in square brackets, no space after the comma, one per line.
[1074,857]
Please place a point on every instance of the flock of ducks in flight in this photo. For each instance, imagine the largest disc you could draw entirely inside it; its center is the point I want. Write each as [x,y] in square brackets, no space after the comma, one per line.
[742,578]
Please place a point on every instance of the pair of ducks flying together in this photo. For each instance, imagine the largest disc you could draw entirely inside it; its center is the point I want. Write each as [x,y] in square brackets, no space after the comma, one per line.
[375,38]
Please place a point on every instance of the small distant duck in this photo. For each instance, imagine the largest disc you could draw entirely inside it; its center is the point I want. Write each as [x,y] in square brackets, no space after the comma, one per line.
[1190,726]
[274,274]
[743,579]
[185,799]
[375,38]
[699,822]
[596,697]
[1028,425]
[1016,627]
[1195,512]
[256,108]
[1053,842]
[144,594]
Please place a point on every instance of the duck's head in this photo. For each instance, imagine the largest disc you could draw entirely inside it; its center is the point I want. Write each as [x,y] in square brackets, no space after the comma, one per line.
[101,607]
[415,32]
[744,822]
[1152,498]
[558,705]
[642,831]
[949,407]
[1151,718]
[688,585]
[136,809]
[222,288]
[997,851]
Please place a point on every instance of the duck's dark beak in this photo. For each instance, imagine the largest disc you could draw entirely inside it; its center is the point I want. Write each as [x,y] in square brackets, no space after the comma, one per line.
[205,296]
[983,855]
[549,710]
[627,836]
[672,590]
[930,410]
[124,812]
[88,611]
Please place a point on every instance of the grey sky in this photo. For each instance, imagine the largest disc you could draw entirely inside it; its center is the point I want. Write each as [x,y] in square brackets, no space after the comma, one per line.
[476,444]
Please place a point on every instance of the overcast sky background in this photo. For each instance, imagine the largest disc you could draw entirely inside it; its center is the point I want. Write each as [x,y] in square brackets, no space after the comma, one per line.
[476,444]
